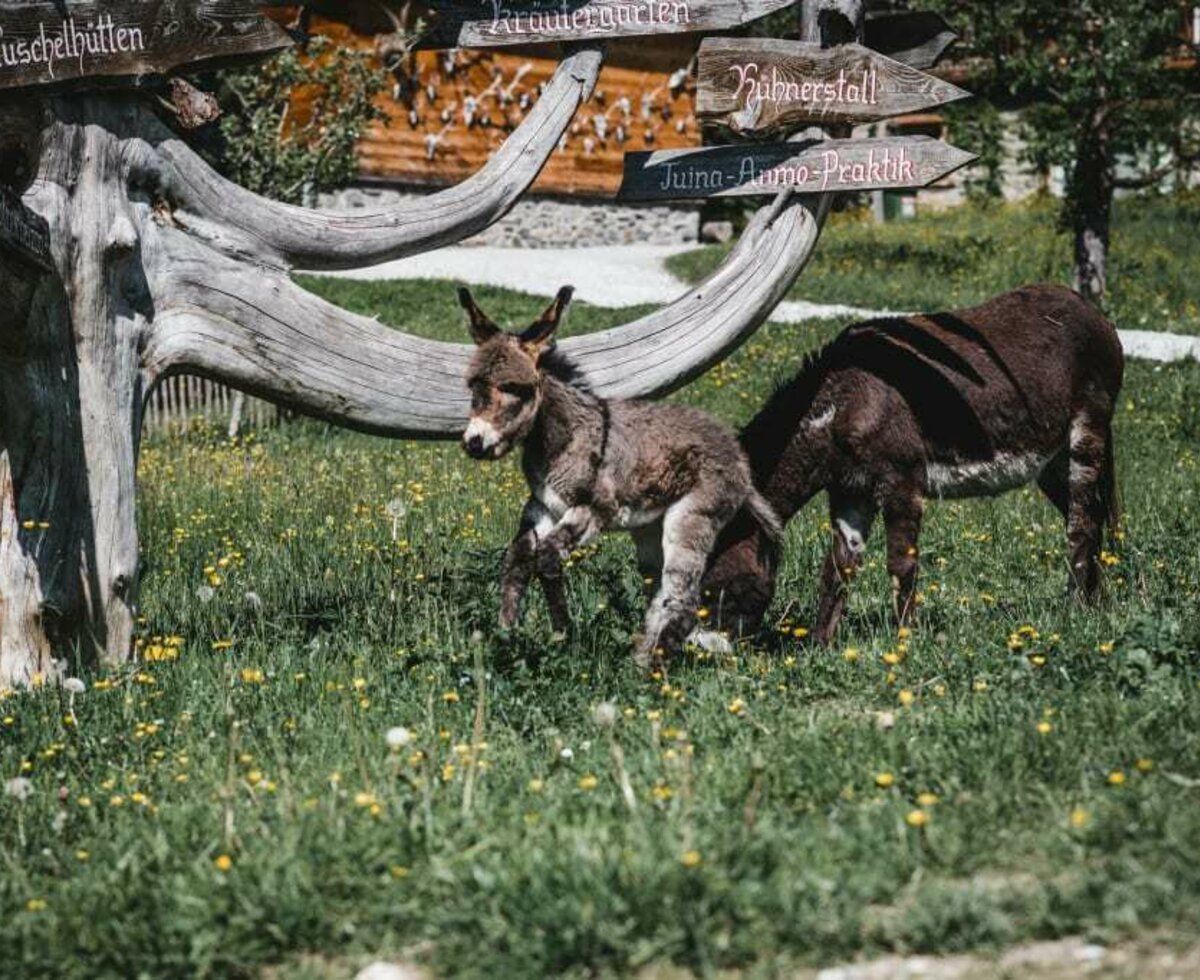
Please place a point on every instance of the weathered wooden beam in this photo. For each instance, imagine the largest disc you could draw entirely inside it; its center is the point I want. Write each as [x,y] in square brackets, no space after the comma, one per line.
[818,167]
[232,217]
[476,24]
[915,38]
[50,41]
[761,85]
[23,233]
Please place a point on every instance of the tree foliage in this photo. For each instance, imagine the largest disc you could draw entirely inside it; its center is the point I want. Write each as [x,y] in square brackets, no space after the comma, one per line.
[1110,92]
[271,146]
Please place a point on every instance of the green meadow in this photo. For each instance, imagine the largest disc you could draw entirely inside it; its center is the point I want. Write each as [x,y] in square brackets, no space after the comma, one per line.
[962,256]
[1017,768]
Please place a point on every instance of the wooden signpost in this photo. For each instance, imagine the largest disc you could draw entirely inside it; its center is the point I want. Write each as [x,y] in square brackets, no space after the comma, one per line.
[759,85]
[822,166]
[50,41]
[23,233]
[480,24]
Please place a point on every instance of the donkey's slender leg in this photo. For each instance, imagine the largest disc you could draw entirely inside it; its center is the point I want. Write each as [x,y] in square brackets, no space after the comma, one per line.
[648,542]
[851,519]
[520,562]
[1054,483]
[902,513]
[1086,510]
[550,574]
[690,527]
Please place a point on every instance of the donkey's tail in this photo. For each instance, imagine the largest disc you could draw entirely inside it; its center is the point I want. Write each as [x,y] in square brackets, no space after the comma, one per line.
[1110,498]
[761,511]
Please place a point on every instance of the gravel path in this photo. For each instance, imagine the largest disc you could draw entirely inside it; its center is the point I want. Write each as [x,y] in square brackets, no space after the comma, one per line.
[628,275]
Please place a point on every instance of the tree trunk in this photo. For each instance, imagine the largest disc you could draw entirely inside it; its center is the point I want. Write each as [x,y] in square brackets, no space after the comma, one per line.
[71,392]
[1091,192]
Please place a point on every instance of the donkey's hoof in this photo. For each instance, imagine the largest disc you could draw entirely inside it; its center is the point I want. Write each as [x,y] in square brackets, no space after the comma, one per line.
[710,641]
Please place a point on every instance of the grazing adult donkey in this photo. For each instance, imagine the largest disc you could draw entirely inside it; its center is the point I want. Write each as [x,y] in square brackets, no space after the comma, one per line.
[671,476]
[968,403]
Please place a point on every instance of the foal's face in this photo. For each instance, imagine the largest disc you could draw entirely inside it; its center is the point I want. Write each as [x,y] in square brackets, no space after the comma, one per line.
[505,397]
[504,379]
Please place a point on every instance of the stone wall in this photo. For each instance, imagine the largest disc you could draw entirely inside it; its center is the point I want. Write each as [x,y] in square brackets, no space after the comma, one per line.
[552,222]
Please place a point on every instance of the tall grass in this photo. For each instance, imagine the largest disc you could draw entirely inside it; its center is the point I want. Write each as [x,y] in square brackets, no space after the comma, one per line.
[1017,768]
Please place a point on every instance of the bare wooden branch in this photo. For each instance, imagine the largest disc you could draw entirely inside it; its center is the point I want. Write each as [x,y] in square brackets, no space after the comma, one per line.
[260,332]
[232,217]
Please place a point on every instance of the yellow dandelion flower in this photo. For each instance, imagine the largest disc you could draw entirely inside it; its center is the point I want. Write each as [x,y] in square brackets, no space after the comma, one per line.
[850,655]
[1044,727]
[884,780]
[450,697]
[1079,817]
[223,862]
[690,859]
[1144,765]
[1116,778]
[916,818]
[588,782]
[906,697]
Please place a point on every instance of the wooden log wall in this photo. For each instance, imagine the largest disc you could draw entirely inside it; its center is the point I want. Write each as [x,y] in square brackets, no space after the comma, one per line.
[450,110]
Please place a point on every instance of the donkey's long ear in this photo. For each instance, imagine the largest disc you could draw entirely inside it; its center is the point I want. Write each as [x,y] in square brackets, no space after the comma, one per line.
[482,328]
[538,333]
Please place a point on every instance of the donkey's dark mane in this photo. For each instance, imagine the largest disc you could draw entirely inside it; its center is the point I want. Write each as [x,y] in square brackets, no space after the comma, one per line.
[559,366]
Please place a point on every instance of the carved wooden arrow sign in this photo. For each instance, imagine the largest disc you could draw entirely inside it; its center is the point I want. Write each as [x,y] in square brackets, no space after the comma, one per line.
[817,167]
[759,85]
[49,41]
[23,233]
[492,23]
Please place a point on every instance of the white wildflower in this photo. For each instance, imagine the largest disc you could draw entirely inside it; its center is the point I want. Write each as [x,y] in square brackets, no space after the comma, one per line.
[398,737]
[18,788]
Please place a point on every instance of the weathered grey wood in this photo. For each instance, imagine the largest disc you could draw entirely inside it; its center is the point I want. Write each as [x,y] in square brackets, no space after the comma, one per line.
[763,85]
[477,24]
[235,219]
[50,41]
[23,233]
[262,333]
[915,38]
[816,167]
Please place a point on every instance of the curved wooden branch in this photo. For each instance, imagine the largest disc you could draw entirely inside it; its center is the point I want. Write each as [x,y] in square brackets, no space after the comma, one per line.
[213,207]
[256,330]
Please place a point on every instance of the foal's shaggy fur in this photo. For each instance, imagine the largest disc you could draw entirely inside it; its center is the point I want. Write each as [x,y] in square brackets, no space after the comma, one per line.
[671,476]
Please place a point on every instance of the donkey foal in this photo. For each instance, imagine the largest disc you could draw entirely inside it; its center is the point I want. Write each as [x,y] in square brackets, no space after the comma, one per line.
[670,476]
